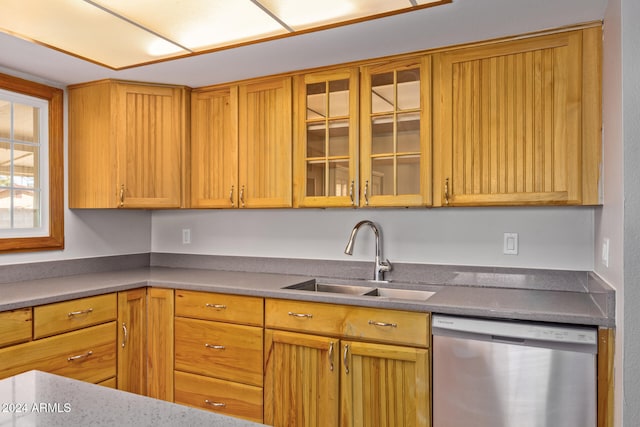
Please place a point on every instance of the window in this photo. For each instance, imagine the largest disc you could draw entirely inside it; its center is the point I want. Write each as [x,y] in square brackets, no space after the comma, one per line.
[31,166]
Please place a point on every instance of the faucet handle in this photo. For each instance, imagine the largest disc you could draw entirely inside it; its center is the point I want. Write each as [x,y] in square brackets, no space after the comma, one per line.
[386,265]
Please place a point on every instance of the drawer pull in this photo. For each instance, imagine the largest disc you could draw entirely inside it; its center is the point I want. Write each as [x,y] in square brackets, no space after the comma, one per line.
[331,356]
[216,306]
[345,360]
[125,334]
[80,356]
[214,347]
[301,315]
[215,404]
[389,325]
[80,312]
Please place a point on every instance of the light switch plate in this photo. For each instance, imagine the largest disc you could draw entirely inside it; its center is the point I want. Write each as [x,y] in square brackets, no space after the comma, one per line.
[510,244]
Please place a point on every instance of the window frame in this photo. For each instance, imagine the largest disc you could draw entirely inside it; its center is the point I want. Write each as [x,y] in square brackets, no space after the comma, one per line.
[54,96]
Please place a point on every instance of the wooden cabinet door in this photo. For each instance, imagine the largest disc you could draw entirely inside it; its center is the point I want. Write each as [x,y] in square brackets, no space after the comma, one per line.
[384,385]
[149,133]
[214,148]
[301,380]
[326,138]
[160,343]
[395,148]
[265,144]
[509,123]
[132,341]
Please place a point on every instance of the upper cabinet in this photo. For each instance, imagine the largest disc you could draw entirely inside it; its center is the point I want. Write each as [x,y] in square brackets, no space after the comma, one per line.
[127,145]
[518,122]
[395,136]
[326,132]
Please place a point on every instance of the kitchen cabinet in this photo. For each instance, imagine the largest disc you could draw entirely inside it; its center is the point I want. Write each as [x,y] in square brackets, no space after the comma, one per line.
[15,326]
[127,145]
[395,133]
[132,340]
[329,362]
[326,138]
[160,343]
[518,122]
[219,353]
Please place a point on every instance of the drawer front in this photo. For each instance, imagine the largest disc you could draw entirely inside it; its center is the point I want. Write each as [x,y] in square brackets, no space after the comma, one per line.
[225,397]
[87,355]
[15,326]
[221,350]
[316,318]
[220,307]
[52,319]
[392,326]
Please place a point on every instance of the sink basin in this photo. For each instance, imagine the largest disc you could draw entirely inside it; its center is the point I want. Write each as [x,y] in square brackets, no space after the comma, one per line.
[332,288]
[408,294]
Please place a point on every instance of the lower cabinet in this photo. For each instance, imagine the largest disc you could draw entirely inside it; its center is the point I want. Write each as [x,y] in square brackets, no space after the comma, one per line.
[132,341]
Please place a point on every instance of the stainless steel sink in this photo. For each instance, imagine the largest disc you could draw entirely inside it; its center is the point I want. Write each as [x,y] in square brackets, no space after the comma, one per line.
[408,294]
[332,288]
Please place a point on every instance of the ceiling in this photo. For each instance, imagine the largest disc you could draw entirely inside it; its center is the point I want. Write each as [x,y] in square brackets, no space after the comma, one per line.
[454,23]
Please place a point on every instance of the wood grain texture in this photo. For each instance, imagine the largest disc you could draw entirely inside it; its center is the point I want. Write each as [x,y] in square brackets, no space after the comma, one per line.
[239,309]
[606,377]
[15,326]
[160,343]
[132,345]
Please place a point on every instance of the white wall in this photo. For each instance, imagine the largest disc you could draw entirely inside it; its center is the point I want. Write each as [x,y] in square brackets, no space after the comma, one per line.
[550,237]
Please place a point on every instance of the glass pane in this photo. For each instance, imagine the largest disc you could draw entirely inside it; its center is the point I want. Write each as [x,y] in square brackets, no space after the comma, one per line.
[408,132]
[315,140]
[409,175]
[25,161]
[339,178]
[25,209]
[315,179]
[316,101]
[409,89]
[382,99]
[5,164]
[5,208]
[382,135]
[5,119]
[339,138]
[25,123]
[381,176]
[339,98]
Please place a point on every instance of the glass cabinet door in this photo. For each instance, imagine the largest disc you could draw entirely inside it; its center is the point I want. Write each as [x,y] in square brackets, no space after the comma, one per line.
[395,139]
[326,145]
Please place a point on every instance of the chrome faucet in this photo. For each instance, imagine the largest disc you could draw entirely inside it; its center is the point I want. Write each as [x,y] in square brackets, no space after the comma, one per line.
[381,266]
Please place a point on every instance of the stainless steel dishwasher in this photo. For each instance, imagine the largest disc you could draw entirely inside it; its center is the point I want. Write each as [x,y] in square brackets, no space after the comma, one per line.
[489,373]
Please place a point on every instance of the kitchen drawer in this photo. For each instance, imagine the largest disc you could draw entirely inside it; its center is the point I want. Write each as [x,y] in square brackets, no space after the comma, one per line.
[225,397]
[220,307]
[52,319]
[110,383]
[88,355]
[221,350]
[15,326]
[317,318]
[392,326]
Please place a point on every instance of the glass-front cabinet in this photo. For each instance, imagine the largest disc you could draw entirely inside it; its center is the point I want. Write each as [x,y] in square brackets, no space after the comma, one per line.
[326,138]
[395,138]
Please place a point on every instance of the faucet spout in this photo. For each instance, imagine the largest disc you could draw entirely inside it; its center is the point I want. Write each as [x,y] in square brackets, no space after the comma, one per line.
[380,266]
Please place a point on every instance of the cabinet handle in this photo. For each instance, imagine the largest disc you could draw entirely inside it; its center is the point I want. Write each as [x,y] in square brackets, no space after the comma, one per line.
[390,325]
[301,315]
[80,356]
[331,356]
[345,361]
[78,313]
[353,202]
[231,197]
[216,306]
[121,197]
[366,193]
[125,334]
[446,191]
[215,404]
[214,347]
[242,196]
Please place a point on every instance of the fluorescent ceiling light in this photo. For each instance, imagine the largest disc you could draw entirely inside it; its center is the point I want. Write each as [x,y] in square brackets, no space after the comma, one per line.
[127,33]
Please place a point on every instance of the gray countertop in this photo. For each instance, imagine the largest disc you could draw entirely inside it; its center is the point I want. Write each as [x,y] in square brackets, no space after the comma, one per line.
[40,399]
[576,306]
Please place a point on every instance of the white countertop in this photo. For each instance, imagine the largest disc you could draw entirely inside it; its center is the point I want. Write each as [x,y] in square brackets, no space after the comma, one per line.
[39,399]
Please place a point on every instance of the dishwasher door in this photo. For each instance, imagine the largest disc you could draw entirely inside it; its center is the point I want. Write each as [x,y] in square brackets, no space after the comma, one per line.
[512,374]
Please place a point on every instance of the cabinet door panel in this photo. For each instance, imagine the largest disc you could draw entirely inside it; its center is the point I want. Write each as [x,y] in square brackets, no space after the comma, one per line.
[132,334]
[384,385]
[265,144]
[15,326]
[301,380]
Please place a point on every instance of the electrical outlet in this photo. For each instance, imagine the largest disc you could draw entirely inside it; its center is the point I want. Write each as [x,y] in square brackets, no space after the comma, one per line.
[186,236]
[605,252]
[510,244]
